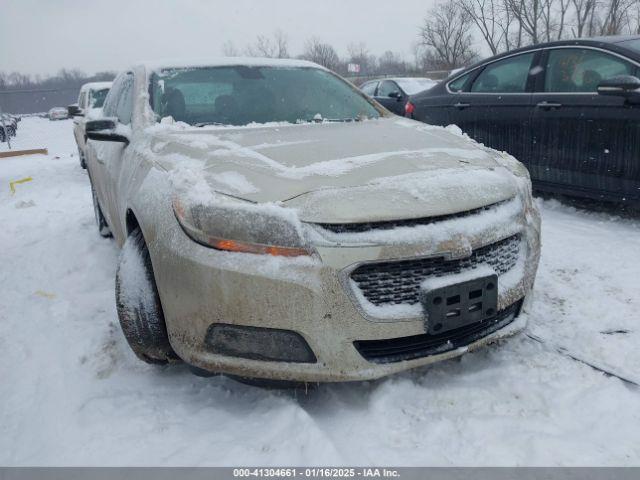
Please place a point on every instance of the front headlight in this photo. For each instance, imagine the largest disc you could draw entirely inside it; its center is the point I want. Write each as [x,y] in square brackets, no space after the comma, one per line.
[242,227]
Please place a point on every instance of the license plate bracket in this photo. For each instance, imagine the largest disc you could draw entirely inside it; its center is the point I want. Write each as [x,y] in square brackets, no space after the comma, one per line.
[459,304]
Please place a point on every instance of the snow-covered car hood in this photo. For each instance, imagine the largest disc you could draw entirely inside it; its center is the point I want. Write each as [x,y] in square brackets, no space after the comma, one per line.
[374,170]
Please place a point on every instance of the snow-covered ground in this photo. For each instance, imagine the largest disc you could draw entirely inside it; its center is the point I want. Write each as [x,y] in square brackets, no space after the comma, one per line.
[72,393]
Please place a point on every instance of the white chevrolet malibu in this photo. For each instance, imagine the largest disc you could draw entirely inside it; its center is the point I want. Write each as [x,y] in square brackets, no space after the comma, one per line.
[277,224]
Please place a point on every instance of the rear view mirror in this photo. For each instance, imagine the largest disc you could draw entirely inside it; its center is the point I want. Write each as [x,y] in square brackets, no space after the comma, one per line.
[626,86]
[104,130]
[75,111]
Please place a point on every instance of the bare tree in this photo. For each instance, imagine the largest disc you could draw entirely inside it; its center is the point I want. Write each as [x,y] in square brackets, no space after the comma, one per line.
[583,14]
[554,13]
[392,63]
[634,18]
[261,47]
[488,17]
[446,36]
[229,49]
[359,54]
[281,44]
[264,46]
[529,15]
[616,17]
[322,53]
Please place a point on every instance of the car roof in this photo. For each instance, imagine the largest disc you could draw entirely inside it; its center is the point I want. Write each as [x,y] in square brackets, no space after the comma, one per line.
[157,65]
[614,38]
[396,79]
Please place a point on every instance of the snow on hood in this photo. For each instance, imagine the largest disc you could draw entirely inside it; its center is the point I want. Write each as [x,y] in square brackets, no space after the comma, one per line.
[340,172]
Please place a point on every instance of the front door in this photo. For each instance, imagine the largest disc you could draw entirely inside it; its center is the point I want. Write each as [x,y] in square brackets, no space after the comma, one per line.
[586,143]
[495,108]
[391,96]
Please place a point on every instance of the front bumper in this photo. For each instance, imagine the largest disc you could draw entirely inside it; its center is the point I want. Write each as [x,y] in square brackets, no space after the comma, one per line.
[200,287]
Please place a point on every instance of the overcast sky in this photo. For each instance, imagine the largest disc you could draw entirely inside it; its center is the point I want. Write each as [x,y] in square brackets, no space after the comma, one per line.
[43,36]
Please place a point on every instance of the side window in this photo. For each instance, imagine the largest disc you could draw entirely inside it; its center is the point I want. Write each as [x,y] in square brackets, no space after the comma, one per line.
[111,102]
[124,107]
[82,99]
[505,76]
[581,70]
[387,87]
[458,83]
[369,88]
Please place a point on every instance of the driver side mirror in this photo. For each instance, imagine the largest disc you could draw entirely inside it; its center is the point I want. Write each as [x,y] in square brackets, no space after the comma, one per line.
[626,86]
[105,130]
[396,95]
[75,111]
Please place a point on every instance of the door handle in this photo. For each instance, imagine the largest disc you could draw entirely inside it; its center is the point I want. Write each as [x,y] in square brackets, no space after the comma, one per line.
[548,105]
[461,106]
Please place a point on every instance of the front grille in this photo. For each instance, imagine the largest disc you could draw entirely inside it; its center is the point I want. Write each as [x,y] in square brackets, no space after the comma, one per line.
[398,282]
[411,222]
[419,346]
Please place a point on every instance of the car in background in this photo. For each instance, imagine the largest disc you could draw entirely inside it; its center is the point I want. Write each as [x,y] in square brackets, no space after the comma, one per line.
[58,113]
[393,93]
[90,101]
[277,223]
[568,110]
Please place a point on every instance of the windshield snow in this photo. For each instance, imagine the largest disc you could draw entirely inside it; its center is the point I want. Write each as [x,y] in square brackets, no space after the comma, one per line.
[240,95]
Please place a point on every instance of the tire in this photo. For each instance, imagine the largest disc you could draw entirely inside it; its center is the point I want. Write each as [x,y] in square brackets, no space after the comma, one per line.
[103,226]
[83,161]
[138,304]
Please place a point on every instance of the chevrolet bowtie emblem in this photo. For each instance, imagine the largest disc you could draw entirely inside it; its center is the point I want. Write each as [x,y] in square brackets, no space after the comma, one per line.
[456,248]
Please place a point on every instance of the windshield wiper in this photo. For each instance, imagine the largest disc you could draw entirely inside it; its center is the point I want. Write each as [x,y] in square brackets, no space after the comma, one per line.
[341,119]
[204,124]
[330,120]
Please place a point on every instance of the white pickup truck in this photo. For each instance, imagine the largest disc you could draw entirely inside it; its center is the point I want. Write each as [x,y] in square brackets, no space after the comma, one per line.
[91,97]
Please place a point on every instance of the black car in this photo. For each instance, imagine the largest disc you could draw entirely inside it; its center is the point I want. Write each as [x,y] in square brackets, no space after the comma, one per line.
[393,93]
[569,110]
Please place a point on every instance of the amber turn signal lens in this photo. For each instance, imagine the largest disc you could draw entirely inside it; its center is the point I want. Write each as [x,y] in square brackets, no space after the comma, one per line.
[241,247]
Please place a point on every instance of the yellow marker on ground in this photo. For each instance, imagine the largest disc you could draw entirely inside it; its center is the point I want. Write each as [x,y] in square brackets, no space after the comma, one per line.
[12,185]
[44,294]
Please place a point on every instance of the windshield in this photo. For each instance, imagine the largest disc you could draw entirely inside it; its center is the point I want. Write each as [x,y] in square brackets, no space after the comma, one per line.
[240,95]
[412,86]
[632,44]
[97,97]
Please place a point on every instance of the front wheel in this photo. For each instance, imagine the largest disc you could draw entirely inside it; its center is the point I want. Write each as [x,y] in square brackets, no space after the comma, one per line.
[138,303]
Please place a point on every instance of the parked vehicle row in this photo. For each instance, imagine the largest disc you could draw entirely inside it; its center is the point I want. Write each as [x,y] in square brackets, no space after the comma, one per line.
[569,110]
[277,223]
[90,101]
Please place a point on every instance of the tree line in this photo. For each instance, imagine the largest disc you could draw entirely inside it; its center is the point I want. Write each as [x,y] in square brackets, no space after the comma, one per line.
[451,30]
[322,52]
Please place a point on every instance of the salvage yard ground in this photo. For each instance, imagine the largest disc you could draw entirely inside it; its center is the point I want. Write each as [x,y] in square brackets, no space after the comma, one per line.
[72,392]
